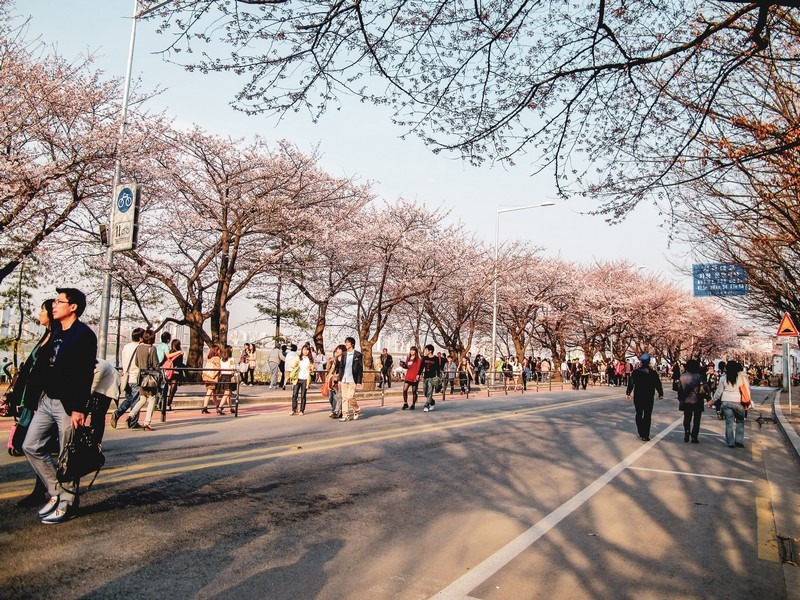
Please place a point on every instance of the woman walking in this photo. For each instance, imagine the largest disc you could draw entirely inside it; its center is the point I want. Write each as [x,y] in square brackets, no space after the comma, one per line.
[730,394]
[226,383]
[412,364]
[465,375]
[691,390]
[210,377]
[146,359]
[332,381]
[172,370]
[305,368]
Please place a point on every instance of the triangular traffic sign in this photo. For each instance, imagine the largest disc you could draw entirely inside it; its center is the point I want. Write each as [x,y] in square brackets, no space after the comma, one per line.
[787,327]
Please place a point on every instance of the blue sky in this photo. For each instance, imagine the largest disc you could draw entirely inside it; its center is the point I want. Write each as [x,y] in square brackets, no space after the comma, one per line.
[358,140]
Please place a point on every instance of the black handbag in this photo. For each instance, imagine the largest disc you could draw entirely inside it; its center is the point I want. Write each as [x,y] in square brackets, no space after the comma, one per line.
[80,456]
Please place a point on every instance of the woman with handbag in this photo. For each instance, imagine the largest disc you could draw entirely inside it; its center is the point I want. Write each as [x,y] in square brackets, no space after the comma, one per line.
[332,381]
[146,358]
[211,377]
[226,383]
[732,391]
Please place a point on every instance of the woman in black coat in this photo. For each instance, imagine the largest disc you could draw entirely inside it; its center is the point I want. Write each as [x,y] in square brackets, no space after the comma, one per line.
[691,398]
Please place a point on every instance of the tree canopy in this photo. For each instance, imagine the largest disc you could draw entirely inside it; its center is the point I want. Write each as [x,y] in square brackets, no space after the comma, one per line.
[613,97]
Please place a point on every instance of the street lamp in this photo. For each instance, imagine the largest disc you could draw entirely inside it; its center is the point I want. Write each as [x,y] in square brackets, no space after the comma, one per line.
[496,257]
[105,301]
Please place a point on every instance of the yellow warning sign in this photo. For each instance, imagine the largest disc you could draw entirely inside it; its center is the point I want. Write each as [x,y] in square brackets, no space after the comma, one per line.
[787,327]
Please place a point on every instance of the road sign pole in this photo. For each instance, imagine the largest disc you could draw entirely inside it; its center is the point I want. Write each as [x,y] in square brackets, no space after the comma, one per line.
[787,372]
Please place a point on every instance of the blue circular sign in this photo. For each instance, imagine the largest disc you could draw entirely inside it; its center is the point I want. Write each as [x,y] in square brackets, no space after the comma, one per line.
[124,200]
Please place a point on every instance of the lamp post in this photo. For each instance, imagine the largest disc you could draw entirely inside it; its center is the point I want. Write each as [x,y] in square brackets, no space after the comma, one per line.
[496,257]
[105,301]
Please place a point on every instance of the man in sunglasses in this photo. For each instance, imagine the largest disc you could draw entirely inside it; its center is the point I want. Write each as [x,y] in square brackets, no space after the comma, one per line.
[67,383]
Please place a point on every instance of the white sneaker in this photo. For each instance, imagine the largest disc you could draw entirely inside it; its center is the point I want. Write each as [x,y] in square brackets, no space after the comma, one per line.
[430,408]
[355,416]
[425,409]
[345,418]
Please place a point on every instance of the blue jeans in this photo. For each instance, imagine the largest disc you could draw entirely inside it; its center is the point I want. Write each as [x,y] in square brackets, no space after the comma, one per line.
[131,399]
[733,411]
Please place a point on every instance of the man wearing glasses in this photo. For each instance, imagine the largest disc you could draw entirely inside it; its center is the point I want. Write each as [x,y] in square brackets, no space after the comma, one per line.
[67,385]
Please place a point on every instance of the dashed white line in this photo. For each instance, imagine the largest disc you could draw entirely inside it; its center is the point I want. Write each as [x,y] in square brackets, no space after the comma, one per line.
[691,474]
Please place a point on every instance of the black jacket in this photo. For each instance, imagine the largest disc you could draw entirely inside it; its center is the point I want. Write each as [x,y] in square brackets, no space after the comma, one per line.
[644,383]
[358,367]
[70,358]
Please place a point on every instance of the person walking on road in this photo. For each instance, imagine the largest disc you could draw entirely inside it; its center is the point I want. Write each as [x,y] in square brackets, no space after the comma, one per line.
[431,374]
[691,399]
[332,380]
[210,375]
[130,380]
[305,365]
[146,360]
[729,393]
[411,381]
[644,383]
[63,405]
[351,375]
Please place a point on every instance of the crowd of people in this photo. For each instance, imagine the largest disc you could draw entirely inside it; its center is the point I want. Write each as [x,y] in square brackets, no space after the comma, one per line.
[62,386]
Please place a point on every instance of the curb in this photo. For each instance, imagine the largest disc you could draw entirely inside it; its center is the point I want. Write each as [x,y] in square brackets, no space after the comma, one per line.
[788,431]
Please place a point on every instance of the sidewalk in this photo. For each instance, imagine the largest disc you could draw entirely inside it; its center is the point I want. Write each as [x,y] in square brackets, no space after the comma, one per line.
[789,422]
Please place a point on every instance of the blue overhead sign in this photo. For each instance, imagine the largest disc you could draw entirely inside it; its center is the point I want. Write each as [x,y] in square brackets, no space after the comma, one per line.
[719,279]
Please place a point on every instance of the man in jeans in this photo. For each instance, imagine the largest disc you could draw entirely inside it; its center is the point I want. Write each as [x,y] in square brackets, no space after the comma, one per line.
[430,372]
[130,380]
[67,386]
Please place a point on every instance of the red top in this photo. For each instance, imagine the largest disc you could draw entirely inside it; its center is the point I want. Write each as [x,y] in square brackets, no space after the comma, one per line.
[413,365]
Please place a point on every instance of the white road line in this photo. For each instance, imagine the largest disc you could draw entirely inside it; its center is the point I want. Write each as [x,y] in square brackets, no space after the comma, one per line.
[460,588]
[691,474]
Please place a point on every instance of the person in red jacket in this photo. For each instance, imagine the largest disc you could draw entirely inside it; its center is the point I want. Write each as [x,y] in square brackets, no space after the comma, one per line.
[412,364]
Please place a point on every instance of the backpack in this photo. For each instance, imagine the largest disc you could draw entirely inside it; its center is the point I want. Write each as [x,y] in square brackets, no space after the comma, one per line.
[169,368]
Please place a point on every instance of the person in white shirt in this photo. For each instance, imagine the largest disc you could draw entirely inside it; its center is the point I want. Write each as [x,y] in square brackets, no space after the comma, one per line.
[303,368]
[130,380]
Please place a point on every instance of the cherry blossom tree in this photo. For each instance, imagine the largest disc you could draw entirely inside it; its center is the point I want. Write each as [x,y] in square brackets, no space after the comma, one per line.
[58,123]
[453,312]
[395,252]
[221,215]
[603,92]
[321,268]
[528,284]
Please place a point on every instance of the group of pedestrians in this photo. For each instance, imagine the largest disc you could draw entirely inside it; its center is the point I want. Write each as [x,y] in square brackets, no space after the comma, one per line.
[732,395]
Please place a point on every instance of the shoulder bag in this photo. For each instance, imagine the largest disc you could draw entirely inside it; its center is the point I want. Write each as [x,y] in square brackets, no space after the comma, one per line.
[744,393]
[80,456]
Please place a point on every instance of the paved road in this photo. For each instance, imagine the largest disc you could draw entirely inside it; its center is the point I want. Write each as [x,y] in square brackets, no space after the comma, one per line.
[550,495]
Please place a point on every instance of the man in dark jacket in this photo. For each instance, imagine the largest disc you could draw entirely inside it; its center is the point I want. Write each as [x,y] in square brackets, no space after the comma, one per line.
[351,376]
[386,368]
[644,383]
[67,387]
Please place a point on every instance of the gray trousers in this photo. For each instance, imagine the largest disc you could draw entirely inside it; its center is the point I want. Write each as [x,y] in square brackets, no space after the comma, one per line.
[50,412]
[274,374]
